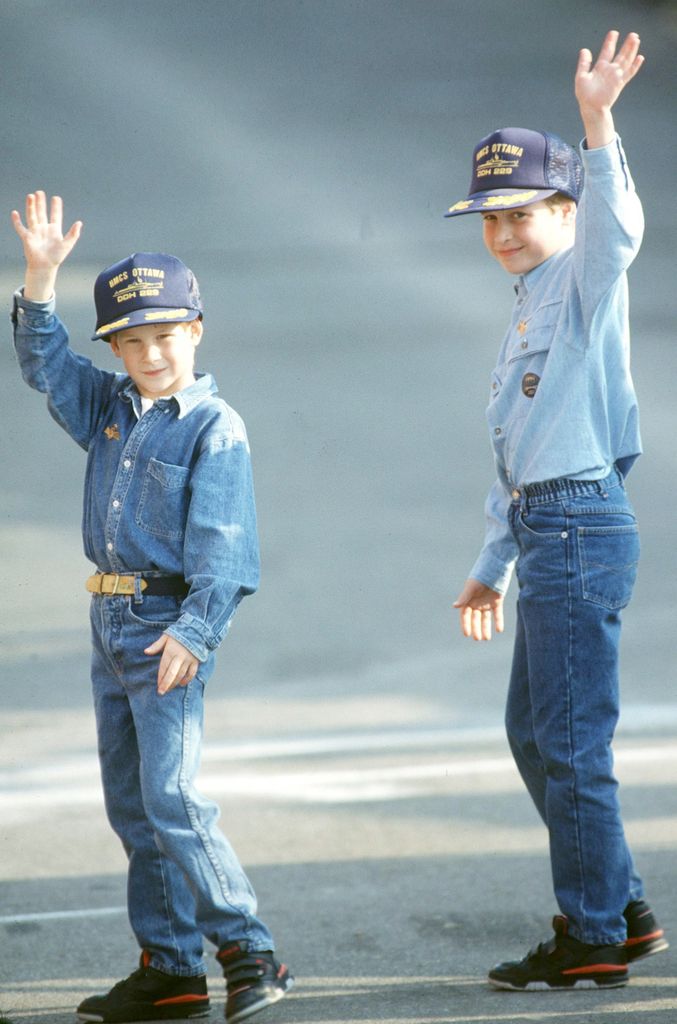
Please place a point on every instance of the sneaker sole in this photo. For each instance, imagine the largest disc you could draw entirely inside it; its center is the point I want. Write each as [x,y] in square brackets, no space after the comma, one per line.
[545,986]
[645,948]
[178,1013]
[268,1000]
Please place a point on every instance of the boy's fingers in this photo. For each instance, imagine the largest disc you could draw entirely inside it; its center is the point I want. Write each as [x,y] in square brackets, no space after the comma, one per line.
[41,206]
[628,59]
[629,49]
[638,62]
[18,223]
[56,212]
[608,47]
[73,232]
[168,673]
[584,61]
[177,673]
[482,624]
[30,210]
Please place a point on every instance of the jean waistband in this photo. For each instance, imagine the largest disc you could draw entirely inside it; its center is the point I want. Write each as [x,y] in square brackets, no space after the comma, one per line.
[567,487]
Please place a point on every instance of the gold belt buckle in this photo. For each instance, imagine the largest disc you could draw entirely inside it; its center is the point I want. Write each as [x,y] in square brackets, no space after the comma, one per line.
[110,584]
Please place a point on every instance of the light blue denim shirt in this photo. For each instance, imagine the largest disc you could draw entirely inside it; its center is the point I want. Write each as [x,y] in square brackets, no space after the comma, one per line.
[168,492]
[562,401]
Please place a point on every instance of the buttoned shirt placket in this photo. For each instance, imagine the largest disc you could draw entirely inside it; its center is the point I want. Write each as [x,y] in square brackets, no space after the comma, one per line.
[123,479]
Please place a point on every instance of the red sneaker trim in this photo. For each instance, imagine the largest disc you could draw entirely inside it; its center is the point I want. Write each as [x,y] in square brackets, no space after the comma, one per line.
[227,951]
[236,991]
[645,938]
[173,1000]
[597,969]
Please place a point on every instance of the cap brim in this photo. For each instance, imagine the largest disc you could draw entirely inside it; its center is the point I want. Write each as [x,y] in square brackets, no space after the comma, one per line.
[499,199]
[142,317]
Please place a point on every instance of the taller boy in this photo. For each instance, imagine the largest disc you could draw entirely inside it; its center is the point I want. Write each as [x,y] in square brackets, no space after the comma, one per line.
[564,426]
[169,521]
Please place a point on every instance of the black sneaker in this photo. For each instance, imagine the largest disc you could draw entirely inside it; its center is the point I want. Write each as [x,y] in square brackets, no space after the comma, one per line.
[563,963]
[645,935]
[148,994]
[253,980]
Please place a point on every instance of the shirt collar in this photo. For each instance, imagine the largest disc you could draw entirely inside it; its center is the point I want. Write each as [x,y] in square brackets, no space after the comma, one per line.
[527,282]
[203,387]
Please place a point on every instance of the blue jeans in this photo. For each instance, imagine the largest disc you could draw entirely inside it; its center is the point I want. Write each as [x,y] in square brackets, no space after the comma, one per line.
[578,552]
[184,880]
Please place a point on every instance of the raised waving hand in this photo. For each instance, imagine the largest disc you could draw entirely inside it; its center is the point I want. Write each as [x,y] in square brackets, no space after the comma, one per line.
[598,85]
[44,243]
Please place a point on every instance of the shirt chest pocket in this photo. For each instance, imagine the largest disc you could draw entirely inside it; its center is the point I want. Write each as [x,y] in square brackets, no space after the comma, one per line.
[534,334]
[165,496]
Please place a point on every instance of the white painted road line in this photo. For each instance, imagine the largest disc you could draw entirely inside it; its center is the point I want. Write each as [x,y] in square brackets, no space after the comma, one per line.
[19,792]
[62,915]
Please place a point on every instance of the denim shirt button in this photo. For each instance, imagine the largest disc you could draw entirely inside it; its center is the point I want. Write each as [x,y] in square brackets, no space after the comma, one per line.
[127,463]
[116,503]
[109,546]
[564,535]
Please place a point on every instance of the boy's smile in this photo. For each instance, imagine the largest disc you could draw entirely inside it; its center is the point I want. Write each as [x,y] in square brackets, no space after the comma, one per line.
[159,357]
[524,237]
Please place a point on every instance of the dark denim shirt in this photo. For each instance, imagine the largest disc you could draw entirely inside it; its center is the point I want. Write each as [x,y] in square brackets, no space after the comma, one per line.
[168,492]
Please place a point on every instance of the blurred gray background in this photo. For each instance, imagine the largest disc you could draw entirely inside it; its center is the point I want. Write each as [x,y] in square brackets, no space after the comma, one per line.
[299,155]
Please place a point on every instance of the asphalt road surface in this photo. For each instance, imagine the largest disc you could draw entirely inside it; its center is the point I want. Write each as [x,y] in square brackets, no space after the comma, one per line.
[299,156]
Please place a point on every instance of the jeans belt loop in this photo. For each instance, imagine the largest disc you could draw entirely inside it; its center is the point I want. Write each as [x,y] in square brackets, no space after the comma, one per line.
[138,595]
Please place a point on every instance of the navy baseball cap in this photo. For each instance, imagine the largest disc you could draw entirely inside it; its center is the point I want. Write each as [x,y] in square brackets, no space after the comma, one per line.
[144,288]
[518,166]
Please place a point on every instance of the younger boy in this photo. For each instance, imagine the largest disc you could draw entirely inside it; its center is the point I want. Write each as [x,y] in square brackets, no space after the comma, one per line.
[564,427]
[169,521]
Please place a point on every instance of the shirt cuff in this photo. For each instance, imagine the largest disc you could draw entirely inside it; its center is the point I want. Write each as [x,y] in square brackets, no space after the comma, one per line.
[22,306]
[605,157]
[191,633]
[492,573]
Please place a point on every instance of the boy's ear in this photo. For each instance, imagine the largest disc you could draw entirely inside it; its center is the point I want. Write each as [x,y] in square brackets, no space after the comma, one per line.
[114,347]
[196,330]
[568,213]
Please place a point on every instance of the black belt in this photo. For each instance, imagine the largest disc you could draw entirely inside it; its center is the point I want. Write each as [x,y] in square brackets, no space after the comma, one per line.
[161,586]
[110,584]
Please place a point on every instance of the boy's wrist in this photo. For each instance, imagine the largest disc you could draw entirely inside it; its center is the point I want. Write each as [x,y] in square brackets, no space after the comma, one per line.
[29,312]
[599,127]
[39,284]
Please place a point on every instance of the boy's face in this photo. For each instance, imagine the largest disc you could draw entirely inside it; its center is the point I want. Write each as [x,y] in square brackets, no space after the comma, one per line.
[159,357]
[524,237]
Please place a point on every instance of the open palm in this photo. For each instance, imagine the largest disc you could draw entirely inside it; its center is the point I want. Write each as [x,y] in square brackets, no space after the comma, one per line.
[598,86]
[45,245]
